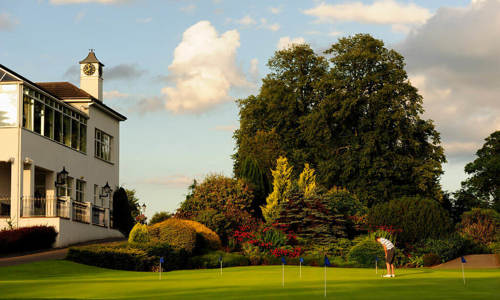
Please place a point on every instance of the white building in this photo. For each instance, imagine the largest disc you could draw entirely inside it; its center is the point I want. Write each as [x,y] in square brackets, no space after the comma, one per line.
[46,127]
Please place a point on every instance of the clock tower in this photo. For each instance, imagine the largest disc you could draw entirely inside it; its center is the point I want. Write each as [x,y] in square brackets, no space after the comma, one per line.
[91,75]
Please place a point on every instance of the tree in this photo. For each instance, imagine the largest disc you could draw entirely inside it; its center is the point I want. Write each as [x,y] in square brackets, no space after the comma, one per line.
[220,203]
[282,185]
[307,181]
[484,183]
[257,178]
[122,218]
[160,216]
[133,203]
[355,118]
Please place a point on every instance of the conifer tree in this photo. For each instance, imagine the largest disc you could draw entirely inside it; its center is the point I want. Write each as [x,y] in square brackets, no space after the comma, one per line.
[307,181]
[282,185]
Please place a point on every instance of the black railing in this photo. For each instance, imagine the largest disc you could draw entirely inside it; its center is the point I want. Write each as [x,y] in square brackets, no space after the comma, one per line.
[44,207]
[81,212]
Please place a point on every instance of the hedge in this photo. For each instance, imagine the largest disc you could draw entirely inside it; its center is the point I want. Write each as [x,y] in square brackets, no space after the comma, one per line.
[211,260]
[364,253]
[27,239]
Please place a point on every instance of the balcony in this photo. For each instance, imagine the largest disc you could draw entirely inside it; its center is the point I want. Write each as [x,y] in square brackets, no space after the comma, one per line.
[98,216]
[44,207]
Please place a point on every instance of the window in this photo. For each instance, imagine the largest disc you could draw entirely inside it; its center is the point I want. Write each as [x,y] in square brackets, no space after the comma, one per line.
[80,190]
[61,190]
[48,127]
[53,120]
[8,105]
[103,145]
[96,194]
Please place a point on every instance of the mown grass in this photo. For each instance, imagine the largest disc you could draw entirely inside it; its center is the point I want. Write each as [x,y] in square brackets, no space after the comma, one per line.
[64,279]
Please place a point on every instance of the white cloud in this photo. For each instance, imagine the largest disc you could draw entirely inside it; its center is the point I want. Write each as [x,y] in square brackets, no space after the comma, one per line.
[79,16]
[254,68]
[276,10]
[144,20]
[335,33]
[204,70]
[246,20]
[379,12]
[264,24]
[61,2]
[114,94]
[189,8]
[286,42]
[179,181]
[7,22]
[453,61]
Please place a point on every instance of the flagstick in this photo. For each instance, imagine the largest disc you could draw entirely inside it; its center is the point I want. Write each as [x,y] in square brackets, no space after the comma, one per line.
[463,273]
[160,270]
[325,280]
[283,277]
[376,267]
[300,269]
[221,268]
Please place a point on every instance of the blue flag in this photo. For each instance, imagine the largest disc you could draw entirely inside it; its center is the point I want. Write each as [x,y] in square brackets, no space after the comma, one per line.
[463,260]
[161,260]
[376,258]
[327,261]
[301,260]
[283,261]
[220,258]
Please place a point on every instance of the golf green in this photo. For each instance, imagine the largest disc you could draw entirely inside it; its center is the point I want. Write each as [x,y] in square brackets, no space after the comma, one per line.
[64,279]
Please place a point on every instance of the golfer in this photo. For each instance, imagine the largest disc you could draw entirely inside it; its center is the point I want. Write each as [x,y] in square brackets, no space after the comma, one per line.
[390,252]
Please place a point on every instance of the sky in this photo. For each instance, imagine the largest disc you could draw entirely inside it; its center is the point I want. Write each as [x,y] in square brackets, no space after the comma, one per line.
[176,67]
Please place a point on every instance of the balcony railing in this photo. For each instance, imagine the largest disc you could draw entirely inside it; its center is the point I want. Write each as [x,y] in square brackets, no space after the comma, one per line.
[81,211]
[4,206]
[44,207]
[98,216]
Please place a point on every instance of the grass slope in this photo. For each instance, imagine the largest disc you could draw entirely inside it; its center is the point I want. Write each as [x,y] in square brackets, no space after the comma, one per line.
[64,279]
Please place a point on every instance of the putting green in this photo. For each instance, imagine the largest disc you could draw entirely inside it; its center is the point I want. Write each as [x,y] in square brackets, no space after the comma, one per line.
[64,279]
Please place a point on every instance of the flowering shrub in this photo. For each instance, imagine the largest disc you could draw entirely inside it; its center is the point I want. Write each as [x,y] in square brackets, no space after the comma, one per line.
[275,240]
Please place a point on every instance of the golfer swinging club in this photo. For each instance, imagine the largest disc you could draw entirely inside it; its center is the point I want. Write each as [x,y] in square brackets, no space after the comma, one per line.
[389,255]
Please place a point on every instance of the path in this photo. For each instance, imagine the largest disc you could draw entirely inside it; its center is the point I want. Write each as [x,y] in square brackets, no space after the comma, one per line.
[475,261]
[45,255]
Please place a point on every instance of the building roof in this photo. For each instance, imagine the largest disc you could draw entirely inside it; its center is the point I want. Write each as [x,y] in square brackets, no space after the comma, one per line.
[64,90]
[91,58]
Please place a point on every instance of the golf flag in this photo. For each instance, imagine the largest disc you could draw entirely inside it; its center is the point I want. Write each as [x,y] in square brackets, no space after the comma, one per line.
[327,261]
[376,258]
[283,261]
[463,272]
[376,264]
[301,260]
[162,260]
[220,262]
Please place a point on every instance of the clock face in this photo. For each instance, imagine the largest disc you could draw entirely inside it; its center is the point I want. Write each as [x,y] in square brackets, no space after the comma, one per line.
[89,69]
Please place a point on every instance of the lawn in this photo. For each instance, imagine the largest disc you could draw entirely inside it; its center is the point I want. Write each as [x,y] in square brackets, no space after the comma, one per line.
[64,279]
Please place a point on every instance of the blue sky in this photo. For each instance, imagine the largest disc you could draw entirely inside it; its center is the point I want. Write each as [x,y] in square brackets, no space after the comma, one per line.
[180,104]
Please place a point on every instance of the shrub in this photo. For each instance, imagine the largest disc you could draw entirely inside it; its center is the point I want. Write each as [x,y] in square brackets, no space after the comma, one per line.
[176,233]
[480,225]
[209,238]
[365,252]
[431,259]
[139,234]
[413,216]
[112,257]
[211,260]
[159,217]
[451,247]
[27,239]
[187,235]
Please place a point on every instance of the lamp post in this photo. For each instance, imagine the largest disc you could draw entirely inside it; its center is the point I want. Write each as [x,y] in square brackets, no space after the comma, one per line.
[62,181]
[105,192]
[143,210]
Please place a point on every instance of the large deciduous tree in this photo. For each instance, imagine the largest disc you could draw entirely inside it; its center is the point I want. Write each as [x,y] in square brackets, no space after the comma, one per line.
[355,118]
[483,187]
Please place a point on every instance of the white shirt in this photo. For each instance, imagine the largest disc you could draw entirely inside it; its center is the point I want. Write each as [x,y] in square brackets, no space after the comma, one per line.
[388,245]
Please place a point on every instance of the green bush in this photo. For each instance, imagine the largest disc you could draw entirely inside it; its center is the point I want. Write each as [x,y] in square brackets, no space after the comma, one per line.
[159,217]
[139,234]
[27,239]
[108,256]
[480,225]
[364,253]
[176,233]
[211,260]
[431,259]
[451,247]
[414,217]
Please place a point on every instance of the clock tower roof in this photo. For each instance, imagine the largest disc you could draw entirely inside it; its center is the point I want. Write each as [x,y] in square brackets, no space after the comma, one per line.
[91,58]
